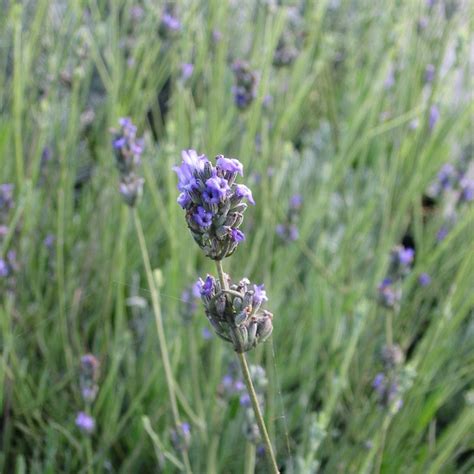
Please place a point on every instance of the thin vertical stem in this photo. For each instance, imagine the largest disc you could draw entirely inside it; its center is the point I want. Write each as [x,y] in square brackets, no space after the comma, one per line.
[389,329]
[251,389]
[160,330]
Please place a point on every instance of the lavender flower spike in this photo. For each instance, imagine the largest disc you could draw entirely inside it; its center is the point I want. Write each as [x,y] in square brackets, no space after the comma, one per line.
[213,201]
[128,149]
[235,313]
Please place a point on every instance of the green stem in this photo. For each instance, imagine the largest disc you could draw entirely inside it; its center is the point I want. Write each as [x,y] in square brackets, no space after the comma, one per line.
[89,455]
[249,458]
[389,329]
[160,330]
[251,389]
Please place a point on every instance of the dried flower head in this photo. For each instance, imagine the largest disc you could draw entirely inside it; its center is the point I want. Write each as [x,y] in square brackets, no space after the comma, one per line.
[389,293]
[89,376]
[236,314]
[392,356]
[213,202]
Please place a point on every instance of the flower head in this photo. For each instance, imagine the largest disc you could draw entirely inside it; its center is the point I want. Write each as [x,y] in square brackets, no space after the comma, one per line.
[128,149]
[213,201]
[89,376]
[85,422]
[424,279]
[389,294]
[433,116]
[235,315]
[245,88]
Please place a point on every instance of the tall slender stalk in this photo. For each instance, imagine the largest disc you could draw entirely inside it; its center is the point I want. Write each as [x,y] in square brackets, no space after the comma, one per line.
[160,330]
[251,389]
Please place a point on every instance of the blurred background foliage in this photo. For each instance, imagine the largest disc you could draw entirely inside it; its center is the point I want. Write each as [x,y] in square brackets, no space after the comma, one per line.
[356,108]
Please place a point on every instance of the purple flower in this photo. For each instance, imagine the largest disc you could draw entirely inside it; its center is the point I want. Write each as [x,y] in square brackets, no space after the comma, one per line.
[296,201]
[184,200]
[48,241]
[196,290]
[85,422]
[433,116]
[467,189]
[390,79]
[227,381]
[405,256]
[260,295]
[280,230]
[186,71]
[230,164]
[170,22]
[6,196]
[128,127]
[442,233]
[237,235]
[245,400]
[192,163]
[424,279]
[213,202]
[429,73]
[206,334]
[294,233]
[3,268]
[243,191]
[186,428]
[379,381]
[206,287]
[216,190]
[119,143]
[445,175]
[203,217]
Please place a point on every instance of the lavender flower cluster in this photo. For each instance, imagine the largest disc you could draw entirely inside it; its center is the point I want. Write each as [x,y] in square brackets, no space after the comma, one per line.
[288,230]
[128,150]
[235,314]
[88,378]
[455,180]
[246,81]
[389,290]
[8,263]
[213,202]
[170,25]
[394,380]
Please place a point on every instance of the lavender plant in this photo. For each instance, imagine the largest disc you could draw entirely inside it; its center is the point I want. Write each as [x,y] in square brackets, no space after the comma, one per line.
[214,206]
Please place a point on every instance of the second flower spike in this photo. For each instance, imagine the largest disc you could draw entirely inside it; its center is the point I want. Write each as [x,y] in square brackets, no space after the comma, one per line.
[235,314]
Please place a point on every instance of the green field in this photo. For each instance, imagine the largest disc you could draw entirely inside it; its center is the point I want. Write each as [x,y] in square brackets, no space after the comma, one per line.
[353,120]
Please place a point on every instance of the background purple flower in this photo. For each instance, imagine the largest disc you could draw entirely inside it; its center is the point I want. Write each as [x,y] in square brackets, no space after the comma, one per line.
[85,422]
[424,279]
